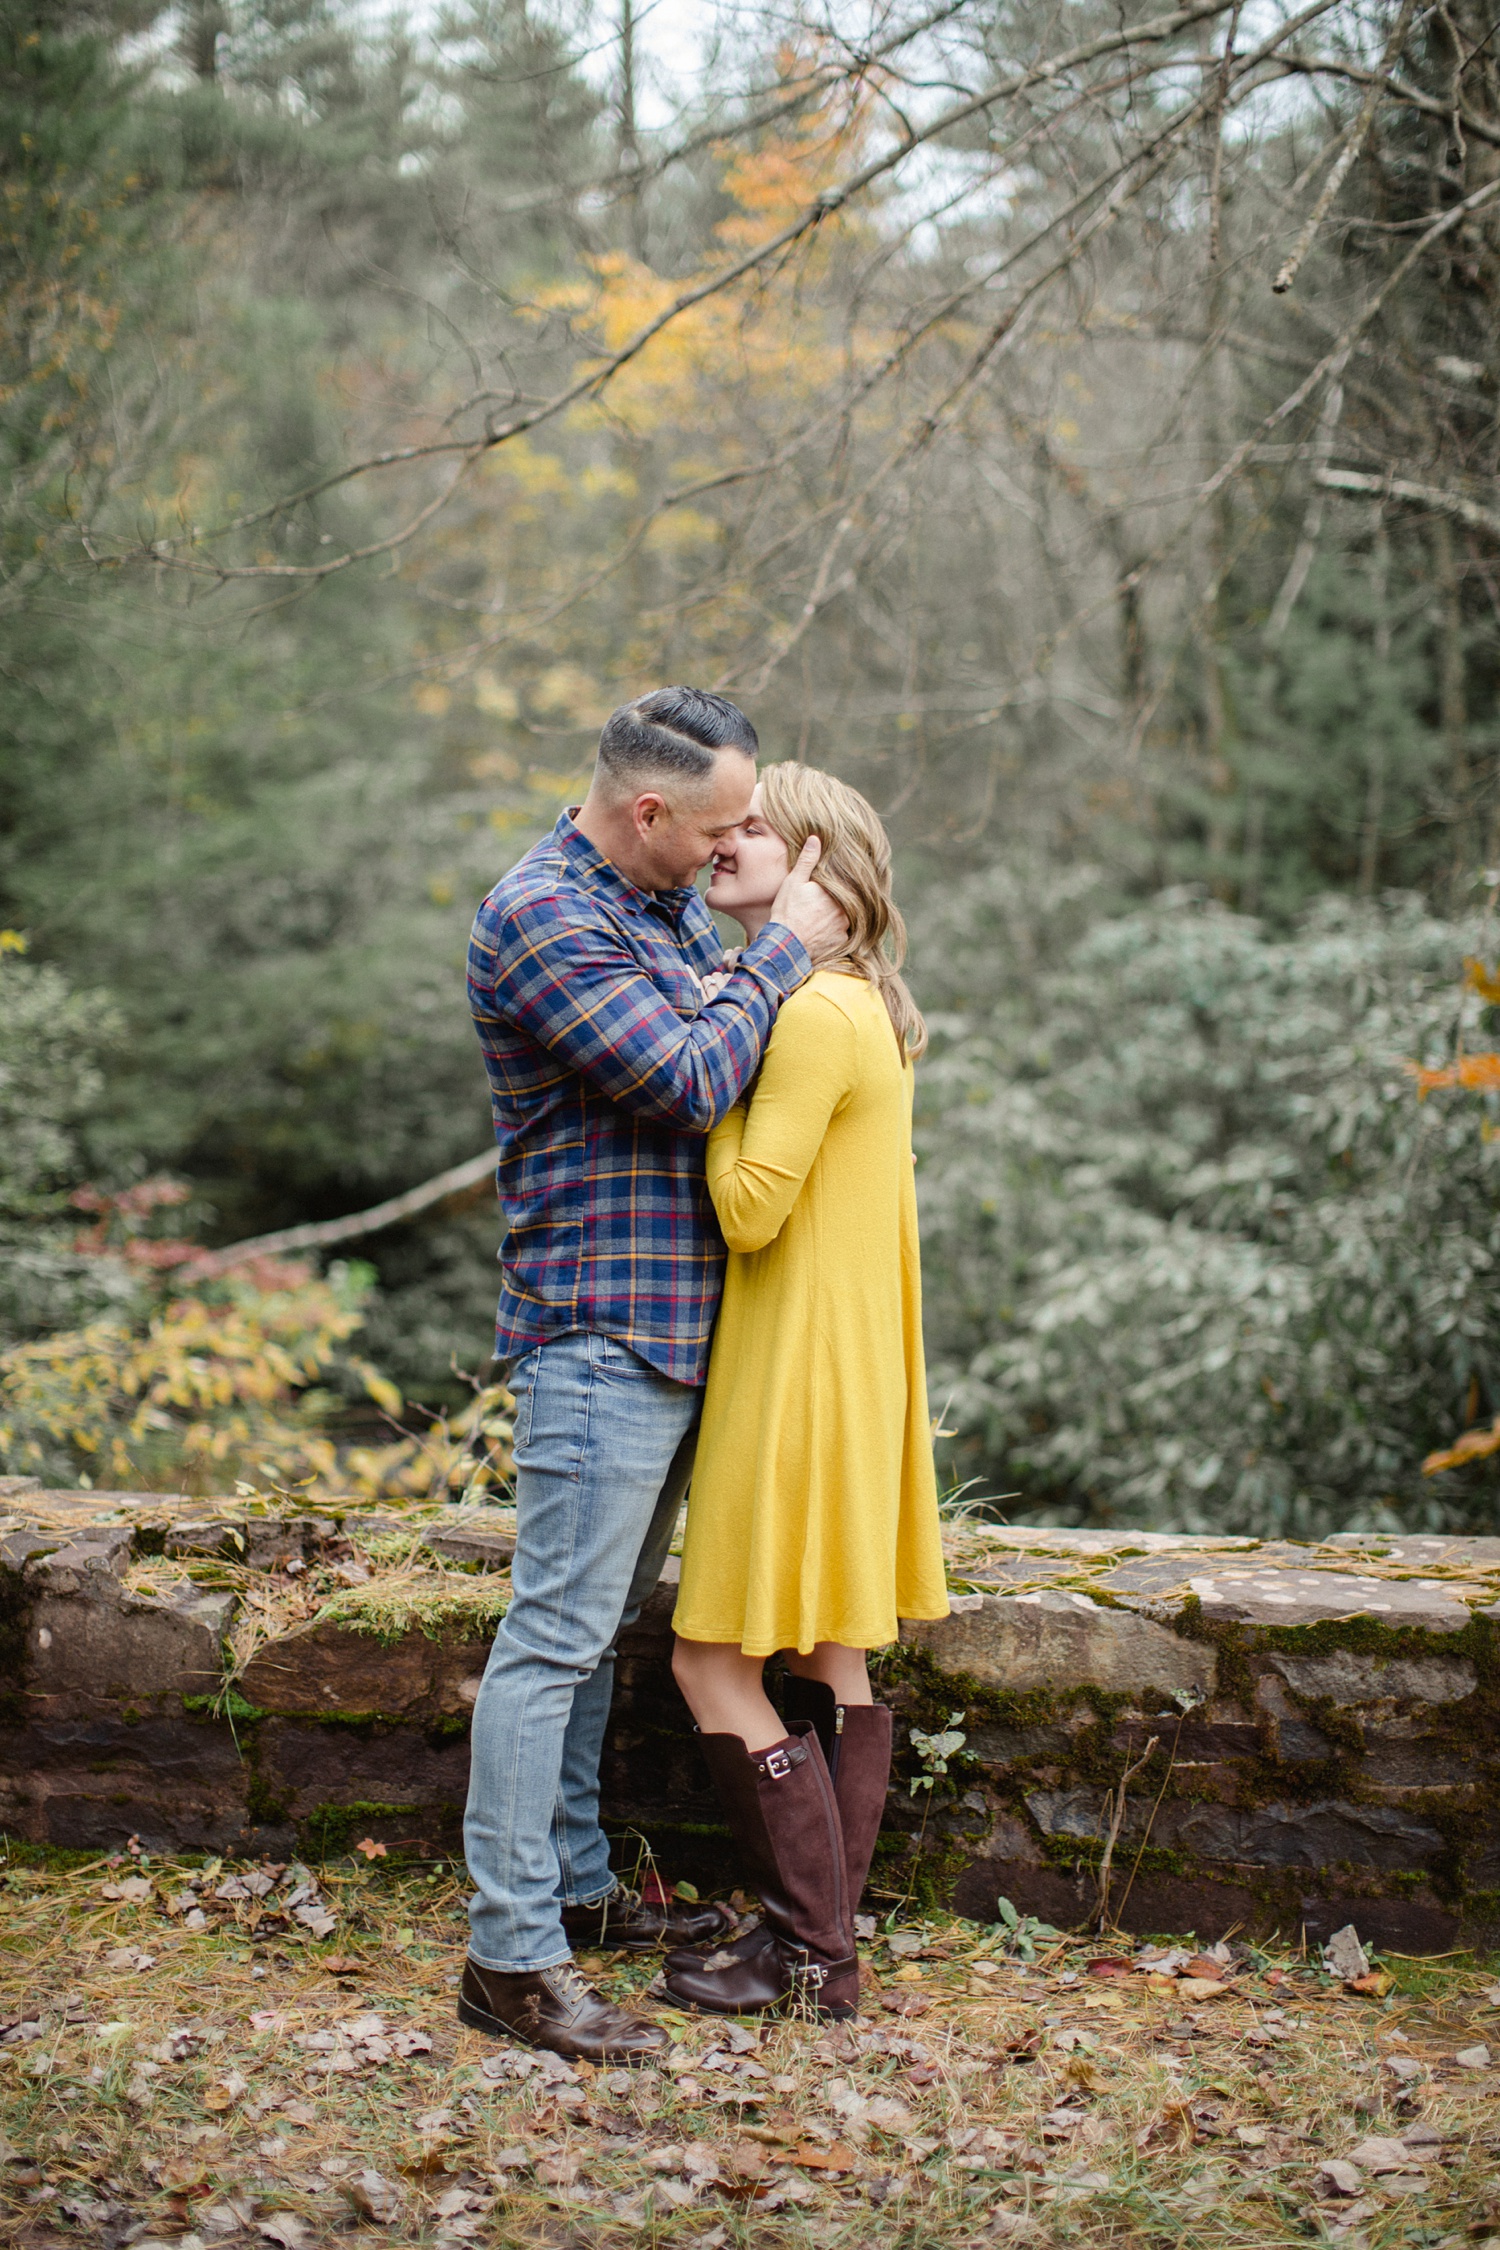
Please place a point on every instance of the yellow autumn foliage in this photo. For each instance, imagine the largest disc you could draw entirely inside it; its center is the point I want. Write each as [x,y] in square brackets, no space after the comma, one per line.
[746,347]
[227,1385]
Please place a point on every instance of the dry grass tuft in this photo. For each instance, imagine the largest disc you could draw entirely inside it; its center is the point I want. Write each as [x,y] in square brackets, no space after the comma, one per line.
[192,2069]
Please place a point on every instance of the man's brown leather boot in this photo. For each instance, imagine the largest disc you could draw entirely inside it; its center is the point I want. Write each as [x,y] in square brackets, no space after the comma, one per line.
[780,1805]
[625,1923]
[555,2008]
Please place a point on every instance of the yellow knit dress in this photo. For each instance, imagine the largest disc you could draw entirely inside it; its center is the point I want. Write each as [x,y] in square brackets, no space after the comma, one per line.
[813,1509]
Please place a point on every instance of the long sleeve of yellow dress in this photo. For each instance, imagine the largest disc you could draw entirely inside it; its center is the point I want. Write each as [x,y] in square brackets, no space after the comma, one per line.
[813,1510]
[761,1153]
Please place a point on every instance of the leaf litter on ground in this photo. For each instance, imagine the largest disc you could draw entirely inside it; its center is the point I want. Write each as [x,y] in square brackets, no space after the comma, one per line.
[245,2082]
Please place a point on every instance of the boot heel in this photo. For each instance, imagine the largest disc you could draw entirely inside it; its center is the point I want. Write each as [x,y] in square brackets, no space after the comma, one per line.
[478,2020]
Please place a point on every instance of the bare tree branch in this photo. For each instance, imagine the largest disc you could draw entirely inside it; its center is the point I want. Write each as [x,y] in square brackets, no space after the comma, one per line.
[324,1234]
[1399,89]
[1456,504]
[592,383]
[1354,141]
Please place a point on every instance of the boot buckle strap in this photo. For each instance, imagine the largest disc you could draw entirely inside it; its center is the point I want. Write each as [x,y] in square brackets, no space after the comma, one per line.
[778,1763]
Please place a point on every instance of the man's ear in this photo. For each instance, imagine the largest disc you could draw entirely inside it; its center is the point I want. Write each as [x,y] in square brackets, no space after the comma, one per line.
[649,811]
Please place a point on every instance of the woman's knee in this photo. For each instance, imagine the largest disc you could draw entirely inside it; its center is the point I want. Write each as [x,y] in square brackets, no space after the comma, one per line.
[842,1669]
[687,1661]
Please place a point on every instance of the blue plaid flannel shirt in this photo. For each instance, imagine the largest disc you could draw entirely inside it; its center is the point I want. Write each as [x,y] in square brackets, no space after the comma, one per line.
[607,1069]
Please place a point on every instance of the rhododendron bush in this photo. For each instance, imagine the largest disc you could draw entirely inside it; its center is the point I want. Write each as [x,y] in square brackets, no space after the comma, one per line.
[1212,1214]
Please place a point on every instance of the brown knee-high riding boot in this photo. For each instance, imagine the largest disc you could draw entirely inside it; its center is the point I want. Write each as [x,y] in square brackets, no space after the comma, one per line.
[856,1744]
[857,1749]
[862,1776]
[781,1807]
[856,1739]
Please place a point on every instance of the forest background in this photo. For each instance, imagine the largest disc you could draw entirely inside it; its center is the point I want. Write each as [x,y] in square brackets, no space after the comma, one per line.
[1074,423]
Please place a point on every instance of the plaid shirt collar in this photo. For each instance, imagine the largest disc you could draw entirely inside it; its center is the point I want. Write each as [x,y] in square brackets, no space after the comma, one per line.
[590,869]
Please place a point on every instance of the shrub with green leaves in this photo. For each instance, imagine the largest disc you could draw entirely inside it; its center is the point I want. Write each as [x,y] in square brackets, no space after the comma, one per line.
[50,1041]
[1197,1255]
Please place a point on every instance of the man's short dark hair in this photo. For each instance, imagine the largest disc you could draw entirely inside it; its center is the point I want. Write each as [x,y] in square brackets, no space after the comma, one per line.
[676,731]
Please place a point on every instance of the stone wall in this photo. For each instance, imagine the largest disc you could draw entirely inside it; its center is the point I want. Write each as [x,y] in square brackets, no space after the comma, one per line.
[1314,1731]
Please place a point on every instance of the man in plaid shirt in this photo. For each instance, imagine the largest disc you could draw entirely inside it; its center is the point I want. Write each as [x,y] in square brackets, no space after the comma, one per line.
[614,1040]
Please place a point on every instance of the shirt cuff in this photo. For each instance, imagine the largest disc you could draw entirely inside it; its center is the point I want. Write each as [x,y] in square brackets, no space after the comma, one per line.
[779,958]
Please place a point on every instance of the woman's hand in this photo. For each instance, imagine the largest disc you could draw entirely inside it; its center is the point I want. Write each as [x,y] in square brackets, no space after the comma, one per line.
[714,983]
[808,912]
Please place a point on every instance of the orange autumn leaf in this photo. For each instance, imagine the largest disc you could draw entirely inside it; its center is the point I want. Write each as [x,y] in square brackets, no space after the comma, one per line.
[1474,1445]
[1485,982]
[839,2158]
[1475,1074]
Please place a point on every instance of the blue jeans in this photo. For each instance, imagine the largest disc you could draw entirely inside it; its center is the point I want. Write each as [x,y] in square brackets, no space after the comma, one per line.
[604,1448]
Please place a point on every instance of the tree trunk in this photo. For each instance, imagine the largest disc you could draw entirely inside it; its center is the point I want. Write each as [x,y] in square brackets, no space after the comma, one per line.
[1380,578]
[1452,706]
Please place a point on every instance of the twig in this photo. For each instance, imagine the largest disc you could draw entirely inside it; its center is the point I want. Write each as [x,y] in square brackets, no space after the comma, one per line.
[1114,1800]
[1312,521]
[1155,1809]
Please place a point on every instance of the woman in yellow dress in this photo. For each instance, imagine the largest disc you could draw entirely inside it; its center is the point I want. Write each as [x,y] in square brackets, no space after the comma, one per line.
[812,1520]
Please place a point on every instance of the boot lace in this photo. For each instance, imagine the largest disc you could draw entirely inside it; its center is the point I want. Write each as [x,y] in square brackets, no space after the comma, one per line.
[569,1984]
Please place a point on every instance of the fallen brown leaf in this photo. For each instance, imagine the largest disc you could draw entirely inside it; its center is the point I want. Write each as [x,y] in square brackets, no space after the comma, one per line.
[1175,2124]
[286,2229]
[226,2093]
[560,2169]
[1201,1988]
[1374,1984]
[839,2158]
[374,2197]
[181,2174]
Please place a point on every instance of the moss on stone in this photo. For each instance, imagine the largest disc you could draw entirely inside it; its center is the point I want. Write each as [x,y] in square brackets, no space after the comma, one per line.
[262,1804]
[431,1602]
[228,1703]
[329,1831]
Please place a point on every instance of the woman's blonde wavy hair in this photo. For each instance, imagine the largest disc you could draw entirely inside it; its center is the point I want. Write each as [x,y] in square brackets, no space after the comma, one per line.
[855,870]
